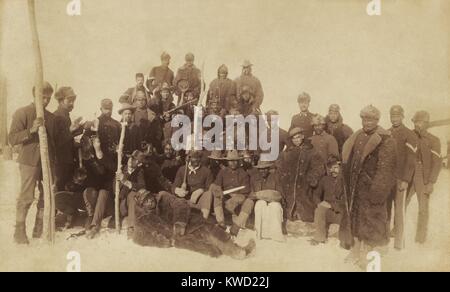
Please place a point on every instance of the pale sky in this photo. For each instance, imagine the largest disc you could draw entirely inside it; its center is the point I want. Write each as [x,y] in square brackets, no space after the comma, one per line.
[329,48]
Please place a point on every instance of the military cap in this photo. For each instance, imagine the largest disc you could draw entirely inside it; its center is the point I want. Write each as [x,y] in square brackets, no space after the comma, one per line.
[223,69]
[332,160]
[334,108]
[370,112]
[47,89]
[246,63]
[64,92]
[421,116]
[165,56]
[304,97]
[189,57]
[126,106]
[106,104]
[295,131]
[396,110]
[318,120]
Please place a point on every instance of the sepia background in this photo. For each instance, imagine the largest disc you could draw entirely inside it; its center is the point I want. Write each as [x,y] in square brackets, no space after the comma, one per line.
[329,48]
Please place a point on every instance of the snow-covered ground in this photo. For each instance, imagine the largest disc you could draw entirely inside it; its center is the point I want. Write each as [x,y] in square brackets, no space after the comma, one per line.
[113,252]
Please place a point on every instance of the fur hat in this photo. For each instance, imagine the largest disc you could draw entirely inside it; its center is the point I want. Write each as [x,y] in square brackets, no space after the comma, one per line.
[370,112]
[303,97]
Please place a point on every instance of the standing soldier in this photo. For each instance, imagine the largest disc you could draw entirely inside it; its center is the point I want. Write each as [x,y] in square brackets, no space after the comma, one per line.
[303,119]
[130,94]
[336,127]
[427,168]
[247,79]
[301,168]
[65,144]
[222,89]
[148,123]
[323,142]
[108,130]
[24,132]
[191,74]
[229,178]
[406,142]
[160,75]
[369,165]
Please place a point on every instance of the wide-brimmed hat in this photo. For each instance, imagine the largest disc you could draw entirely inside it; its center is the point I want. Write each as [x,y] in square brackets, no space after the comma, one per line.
[247,63]
[295,131]
[421,116]
[216,155]
[233,155]
[264,164]
[126,106]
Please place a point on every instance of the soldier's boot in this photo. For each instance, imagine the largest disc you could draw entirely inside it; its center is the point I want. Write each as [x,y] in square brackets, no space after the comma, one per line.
[20,234]
[38,224]
[130,232]
[93,231]
[220,217]
[87,224]
[354,255]
[250,247]
[234,230]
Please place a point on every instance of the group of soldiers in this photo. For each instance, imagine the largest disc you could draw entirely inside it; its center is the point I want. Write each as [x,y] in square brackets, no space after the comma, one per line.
[325,173]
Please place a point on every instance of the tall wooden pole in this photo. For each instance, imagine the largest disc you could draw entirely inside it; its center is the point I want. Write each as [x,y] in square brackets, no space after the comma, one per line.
[49,199]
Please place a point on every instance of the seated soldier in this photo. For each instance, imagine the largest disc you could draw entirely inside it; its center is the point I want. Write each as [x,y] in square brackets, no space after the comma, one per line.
[266,188]
[329,199]
[158,222]
[171,161]
[235,179]
[192,183]
[131,181]
[100,168]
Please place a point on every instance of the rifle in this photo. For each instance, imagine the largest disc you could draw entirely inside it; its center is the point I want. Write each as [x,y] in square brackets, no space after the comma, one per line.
[186,168]
[202,86]
[180,106]
[49,196]
[119,173]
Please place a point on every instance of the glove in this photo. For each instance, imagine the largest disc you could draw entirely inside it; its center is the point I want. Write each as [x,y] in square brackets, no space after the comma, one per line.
[38,122]
[325,205]
[75,124]
[402,185]
[181,192]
